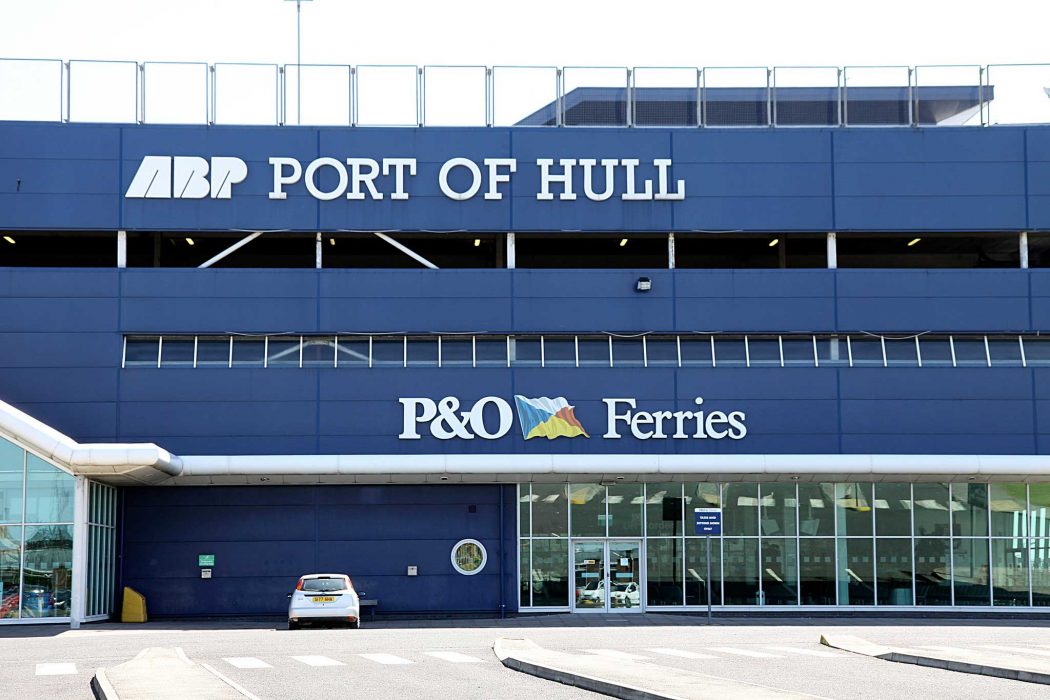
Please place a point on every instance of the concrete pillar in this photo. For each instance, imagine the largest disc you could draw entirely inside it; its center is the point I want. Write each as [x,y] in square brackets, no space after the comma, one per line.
[78,594]
[122,248]
[511,254]
[318,251]
[833,251]
[1024,250]
[670,251]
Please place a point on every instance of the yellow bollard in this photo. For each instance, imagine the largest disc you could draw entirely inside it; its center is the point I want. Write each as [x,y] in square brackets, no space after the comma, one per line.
[134,608]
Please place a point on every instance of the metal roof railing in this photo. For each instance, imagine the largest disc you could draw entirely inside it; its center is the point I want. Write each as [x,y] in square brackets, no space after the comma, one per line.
[158,92]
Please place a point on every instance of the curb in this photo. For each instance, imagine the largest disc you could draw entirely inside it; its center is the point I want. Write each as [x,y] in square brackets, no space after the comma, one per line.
[860,646]
[577,680]
[101,688]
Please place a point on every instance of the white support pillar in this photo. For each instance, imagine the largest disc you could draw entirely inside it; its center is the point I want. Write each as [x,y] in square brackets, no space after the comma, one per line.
[511,253]
[318,248]
[78,594]
[670,251]
[833,251]
[1024,250]
[122,248]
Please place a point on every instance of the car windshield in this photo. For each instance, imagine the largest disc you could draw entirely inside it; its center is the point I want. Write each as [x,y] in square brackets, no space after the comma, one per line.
[323,584]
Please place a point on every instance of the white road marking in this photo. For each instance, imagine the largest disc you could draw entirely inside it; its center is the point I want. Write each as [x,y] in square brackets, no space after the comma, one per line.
[246,662]
[388,659]
[745,652]
[1017,650]
[318,661]
[454,657]
[240,689]
[614,654]
[681,654]
[56,669]
[808,652]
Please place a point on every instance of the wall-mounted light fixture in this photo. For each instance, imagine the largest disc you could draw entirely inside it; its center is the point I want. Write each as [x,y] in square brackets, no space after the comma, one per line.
[774,242]
[623,242]
[913,242]
[644,284]
[189,241]
[9,240]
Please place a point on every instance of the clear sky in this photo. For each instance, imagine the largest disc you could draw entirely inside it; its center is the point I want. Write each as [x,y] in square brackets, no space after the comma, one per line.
[567,32]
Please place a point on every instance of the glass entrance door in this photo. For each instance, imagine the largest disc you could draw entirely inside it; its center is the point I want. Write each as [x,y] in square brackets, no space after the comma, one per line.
[607,575]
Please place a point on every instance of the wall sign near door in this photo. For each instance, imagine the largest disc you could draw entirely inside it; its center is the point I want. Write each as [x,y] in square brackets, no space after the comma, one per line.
[708,521]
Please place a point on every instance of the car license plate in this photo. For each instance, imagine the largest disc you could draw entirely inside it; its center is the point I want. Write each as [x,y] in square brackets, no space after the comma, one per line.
[323,599]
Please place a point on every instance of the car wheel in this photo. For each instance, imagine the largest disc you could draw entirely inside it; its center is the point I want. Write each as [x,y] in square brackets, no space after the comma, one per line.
[293,625]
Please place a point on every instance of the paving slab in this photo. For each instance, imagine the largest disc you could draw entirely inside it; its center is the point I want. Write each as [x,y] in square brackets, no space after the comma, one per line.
[164,673]
[998,664]
[629,679]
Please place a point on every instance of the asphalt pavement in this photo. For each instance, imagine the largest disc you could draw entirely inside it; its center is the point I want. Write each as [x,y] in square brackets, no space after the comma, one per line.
[454,659]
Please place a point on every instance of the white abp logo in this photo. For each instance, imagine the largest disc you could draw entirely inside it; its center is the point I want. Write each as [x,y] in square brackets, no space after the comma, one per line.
[186,177]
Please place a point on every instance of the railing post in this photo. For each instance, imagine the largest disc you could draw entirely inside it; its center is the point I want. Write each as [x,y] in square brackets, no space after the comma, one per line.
[912,97]
[490,107]
[670,251]
[421,88]
[770,110]
[559,99]
[122,249]
[214,93]
[353,95]
[282,98]
[69,91]
[629,97]
[278,76]
[140,90]
[839,92]
[699,97]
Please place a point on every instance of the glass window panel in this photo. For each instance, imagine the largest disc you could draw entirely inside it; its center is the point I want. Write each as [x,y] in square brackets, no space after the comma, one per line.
[550,571]
[550,511]
[177,352]
[663,510]
[525,579]
[778,508]
[798,352]
[627,352]
[625,574]
[779,571]
[936,352]
[969,352]
[213,351]
[457,351]
[1040,562]
[740,509]
[729,352]
[969,510]
[817,570]
[696,571]
[49,492]
[141,352]
[353,351]
[525,352]
[10,563]
[594,352]
[281,351]
[853,510]
[524,509]
[661,352]
[866,351]
[765,352]
[559,351]
[1039,497]
[1009,572]
[625,509]
[971,571]
[900,352]
[1008,503]
[318,352]
[664,570]
[12,462]
[931,510]
[248,351]
[893,570]
[816,509]
[1005,352]
[856,580]
[588,510]
[696,351]
[48,575]
[932,575]
[702,495]
[388,351]
[1037,351]
[490,351]
[892,510]
[832,352]
[740,570]
[423,351]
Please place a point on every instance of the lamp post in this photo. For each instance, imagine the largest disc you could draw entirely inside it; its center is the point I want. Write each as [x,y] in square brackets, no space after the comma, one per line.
[298,59]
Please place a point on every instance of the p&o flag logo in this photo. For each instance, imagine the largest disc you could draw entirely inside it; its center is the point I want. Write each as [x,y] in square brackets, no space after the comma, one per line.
[549,418]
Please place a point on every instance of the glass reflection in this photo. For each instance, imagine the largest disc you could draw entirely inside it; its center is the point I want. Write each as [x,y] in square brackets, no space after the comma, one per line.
[550,567]
[1008,503]
[10,561]
[550,512]
[1009,572]
[778,509]
[970,566]
[589,574]
[893,571]
[740,571]
[524,564]
[856,579]
[1039,556]
[969,510]
[588,510]
[663,509]
[817,570]
[49,492]
[932,575]
[816,514]
[696,571]
[47,578]
[779,571]
[740,509]
[853,509]
[625,509]
[931,510]
[893,510]
[1039,504]
[524,511]
[664,570]
[11,466]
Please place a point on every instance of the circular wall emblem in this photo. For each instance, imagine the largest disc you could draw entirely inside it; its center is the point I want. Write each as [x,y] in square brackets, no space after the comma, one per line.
[469,557]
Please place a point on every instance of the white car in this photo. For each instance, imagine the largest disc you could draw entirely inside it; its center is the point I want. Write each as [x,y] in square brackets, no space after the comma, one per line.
[324,598]
[625,595]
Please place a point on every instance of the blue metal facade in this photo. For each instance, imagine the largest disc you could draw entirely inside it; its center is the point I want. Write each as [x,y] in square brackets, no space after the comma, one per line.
[61,330]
